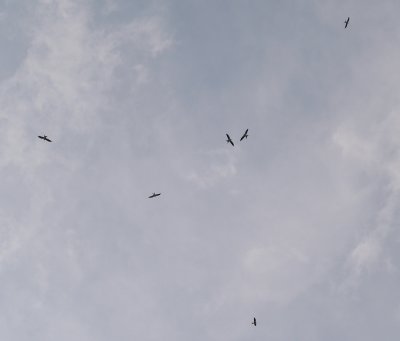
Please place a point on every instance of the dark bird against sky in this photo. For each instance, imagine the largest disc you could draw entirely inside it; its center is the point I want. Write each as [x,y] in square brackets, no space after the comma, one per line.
[347,22]
[154,195]
[229,140]
[244,135]
[254,322]
[44,137]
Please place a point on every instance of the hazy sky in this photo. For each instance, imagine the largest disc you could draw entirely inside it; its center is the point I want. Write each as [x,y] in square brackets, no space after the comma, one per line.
[298,225]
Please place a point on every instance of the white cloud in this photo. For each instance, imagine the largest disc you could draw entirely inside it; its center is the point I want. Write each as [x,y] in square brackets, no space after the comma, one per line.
[215,167]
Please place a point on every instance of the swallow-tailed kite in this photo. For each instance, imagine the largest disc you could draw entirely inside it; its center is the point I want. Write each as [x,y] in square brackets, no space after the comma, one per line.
[44,137]
[254,322]
[229,140]
[244,135]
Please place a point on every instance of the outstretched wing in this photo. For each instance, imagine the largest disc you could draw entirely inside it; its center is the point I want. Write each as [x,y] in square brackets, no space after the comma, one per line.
[47,139]
[255,322]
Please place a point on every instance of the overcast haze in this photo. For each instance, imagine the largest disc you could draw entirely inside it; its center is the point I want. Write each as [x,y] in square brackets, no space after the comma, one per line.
[297,225]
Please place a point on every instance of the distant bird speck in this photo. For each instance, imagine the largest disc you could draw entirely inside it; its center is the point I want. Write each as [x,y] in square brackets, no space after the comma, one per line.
[154,195]
[44,137]
[229,140]
[244,135]
[254,322]
[347,22]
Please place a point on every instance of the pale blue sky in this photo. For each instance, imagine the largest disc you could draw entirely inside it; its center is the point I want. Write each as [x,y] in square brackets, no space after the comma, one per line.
[298,225]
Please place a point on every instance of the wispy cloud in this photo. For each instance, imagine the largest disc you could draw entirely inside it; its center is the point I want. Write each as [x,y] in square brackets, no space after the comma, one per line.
[214,167]
[137,97]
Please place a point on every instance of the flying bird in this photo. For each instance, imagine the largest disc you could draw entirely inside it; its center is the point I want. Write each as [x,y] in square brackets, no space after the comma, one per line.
[229,140]
[347,22]
[254,322]
[44,137]
[154,195]
[244,135]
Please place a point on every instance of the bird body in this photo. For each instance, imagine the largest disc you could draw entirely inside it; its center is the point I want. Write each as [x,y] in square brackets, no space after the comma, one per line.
[154,195]
[346,22]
